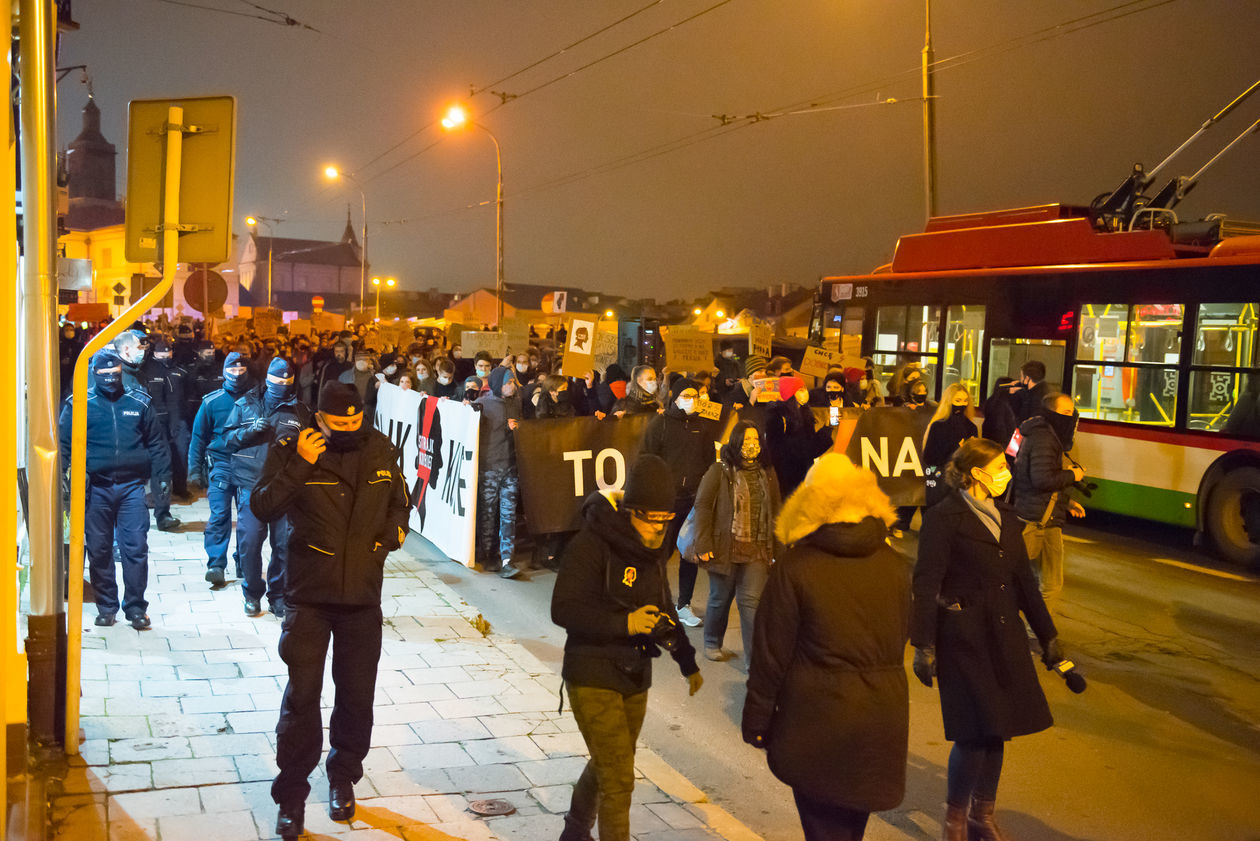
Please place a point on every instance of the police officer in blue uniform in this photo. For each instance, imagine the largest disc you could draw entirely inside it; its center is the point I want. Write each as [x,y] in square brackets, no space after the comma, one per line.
[164,381]
[125,448]
[344,494]
[210,463]
[259,418]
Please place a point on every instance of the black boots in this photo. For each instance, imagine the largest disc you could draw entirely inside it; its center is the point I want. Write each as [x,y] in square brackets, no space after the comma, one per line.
[955,827]
[575,830]
[341,801]
[290,820]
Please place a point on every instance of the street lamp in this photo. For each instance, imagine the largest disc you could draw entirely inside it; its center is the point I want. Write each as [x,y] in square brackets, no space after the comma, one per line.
[377,281]
[255,221]
[929,115]
[332,174]
[456,117]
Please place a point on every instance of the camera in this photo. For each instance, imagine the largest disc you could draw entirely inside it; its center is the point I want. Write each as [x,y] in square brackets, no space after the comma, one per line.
[663,633]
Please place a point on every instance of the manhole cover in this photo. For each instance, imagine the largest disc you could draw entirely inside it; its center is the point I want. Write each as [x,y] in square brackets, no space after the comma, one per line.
[491,808]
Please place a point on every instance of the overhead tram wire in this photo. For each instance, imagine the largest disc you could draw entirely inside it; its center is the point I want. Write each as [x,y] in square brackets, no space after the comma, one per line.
[816,103]
[276,17]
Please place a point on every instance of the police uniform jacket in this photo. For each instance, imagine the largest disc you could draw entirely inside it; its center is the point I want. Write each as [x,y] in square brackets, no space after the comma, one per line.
[208,441]
[124,440]
[347,511]
[248,443]
[969,592]
[606,573]
[165,384]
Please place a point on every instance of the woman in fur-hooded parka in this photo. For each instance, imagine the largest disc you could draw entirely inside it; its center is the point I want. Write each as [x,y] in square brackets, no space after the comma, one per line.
[827,688]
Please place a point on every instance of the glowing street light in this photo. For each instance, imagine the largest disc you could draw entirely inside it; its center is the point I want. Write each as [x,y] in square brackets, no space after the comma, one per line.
[457,117]
[377,281]
[332,173]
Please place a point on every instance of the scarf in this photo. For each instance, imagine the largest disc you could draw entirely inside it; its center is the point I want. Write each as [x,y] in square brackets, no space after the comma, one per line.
[987,513]
[750,525]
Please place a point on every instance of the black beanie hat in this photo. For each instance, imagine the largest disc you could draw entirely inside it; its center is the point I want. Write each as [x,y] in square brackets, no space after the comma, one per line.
[340,400]
[650,486]
[680,385]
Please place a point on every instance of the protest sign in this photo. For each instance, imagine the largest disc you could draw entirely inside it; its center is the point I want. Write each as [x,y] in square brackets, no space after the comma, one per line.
[709,409]
[760,338]
[300,327]
[886,440]
[851,350]
[605,350]
[688,350]
[516,333]
[817,360]
[492,341]
[562,460]
[579,351]
[438,443]
[233,327]
[267,322]
[327,322]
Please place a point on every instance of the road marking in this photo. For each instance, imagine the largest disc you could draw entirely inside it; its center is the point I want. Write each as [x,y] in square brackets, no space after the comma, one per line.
[1072,539]
[1228,576]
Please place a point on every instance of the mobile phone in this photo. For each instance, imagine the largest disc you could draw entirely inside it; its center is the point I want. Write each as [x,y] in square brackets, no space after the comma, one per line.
[834,412]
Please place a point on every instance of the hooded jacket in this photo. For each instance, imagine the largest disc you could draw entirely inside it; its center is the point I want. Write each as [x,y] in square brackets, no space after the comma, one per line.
[1039,473]
[637,401]
[684,441]
[606,573]
[826,681]
[498,451]
[348,511]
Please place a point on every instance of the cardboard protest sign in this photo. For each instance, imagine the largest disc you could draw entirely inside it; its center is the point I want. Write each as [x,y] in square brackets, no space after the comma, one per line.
[267,322]
[688,350]
[579,350]
[233,327]
[327,322]
[300,327]
[372,341]
[817,360]
[492,341]
[516,332]
[760,337]
[709,409]
[605,350]
[851,350]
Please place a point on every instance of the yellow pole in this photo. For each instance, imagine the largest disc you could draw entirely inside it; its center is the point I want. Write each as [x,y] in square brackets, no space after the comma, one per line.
[78,454]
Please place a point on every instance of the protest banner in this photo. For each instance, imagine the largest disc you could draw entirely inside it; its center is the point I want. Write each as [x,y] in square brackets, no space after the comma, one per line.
[438,442]
[267,322]
[760,339]
[887,440]
[687,349]
[372,340]
[491,341]
[817,360]
[300,327]
[562,460]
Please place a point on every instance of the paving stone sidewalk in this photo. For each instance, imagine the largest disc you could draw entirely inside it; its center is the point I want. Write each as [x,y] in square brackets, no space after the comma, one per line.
[179,725]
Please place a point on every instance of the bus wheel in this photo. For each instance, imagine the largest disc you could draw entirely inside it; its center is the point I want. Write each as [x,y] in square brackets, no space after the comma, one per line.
[1232,518]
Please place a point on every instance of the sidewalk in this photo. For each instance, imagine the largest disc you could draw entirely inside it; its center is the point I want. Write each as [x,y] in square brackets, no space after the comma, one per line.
[179,725]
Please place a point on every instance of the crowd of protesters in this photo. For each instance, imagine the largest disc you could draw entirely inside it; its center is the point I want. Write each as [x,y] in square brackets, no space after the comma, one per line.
[790,533]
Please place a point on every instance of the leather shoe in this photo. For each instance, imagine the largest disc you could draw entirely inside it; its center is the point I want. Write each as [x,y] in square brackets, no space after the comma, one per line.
[252,607]
[215,577]
[290,820]
[168,523]
[276,606]
[104,620]
[139,621]
[341,801]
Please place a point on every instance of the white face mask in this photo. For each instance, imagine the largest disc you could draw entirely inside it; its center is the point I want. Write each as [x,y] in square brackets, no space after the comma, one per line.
[650,386]
[483,372]
[390,369]
[444,380]
[361,364]
[687,405]
[522,368]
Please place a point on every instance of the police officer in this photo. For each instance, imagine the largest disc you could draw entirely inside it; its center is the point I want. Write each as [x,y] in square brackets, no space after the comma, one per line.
[611,594]
[125,448]
[257,419]
[205,374]
[165,381]
[209,445]
[346,499]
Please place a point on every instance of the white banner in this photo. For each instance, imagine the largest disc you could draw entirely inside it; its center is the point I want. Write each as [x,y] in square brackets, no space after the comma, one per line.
[438,440]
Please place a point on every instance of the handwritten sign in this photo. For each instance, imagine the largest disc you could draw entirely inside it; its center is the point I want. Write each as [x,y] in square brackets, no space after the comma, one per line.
[300,327]
[233,327]
[605,349]
[688,350]
[327,322]
[760,337]
[851,350]
[516,332]
[817,360]
[709,409]
[267,322]
[491,341]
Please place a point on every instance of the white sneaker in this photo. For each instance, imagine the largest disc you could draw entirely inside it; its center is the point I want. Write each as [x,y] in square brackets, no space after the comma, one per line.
[688,618]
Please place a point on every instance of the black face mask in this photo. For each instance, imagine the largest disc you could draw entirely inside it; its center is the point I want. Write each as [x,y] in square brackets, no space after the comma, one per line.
[1064,427]
[344,441]
[835,396]
[958,410]
[109,385]
[471,393]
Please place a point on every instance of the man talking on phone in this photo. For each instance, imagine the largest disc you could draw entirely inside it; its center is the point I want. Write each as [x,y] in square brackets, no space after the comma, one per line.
[346,500]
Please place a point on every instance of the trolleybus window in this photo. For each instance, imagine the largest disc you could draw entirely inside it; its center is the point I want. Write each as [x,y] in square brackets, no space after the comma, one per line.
[906,335]
[1224,383]
[1135,350]
[964,341]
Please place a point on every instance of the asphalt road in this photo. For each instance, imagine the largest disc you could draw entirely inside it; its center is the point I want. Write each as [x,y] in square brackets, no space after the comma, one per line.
[1164,744]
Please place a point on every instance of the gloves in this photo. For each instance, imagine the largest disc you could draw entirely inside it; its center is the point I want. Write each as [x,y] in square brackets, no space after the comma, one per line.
[1051,652]
[260,424]
[757,740]
[694,682]
[197,480]
[643,620]
[925,664]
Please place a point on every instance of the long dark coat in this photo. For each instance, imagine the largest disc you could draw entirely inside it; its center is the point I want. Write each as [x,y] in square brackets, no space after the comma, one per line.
[988,684]
[827,680]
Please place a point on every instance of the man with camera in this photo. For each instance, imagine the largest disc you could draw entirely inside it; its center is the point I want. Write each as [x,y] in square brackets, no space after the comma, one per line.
[1042,477]
[612,597]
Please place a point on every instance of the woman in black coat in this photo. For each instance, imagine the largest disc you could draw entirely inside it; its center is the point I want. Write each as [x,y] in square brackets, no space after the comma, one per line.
[827,692]
[952,423]
[971,583]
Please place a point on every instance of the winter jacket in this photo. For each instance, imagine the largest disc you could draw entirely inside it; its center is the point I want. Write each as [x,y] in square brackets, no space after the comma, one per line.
[204,378]
[1038,473]
[827,684]
[248,441]
[498,449]
[125,441]
[999,417]
[685,442]
[606,573]
[793,442]
[969,592]
[715,511]
[165,382]
[207,442]
[348,511]
[943,438]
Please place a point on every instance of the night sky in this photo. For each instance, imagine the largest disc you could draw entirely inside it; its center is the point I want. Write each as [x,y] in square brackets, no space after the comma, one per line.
[782,200]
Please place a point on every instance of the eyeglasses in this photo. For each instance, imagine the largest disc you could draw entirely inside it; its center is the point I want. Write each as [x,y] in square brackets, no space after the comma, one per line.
[657,517]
